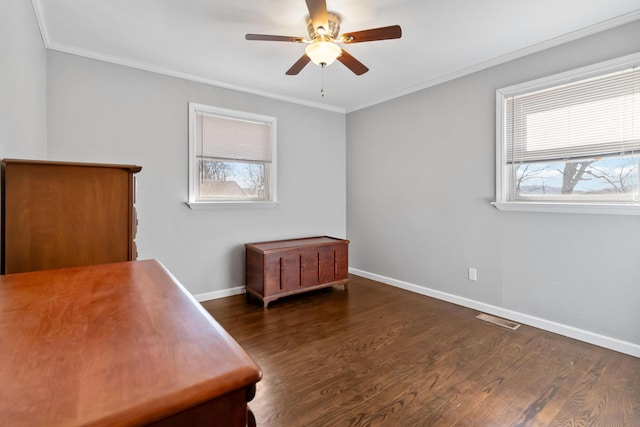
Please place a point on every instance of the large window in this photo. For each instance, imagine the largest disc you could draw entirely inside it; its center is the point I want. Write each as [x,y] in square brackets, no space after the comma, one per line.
[571,142]
[232,157]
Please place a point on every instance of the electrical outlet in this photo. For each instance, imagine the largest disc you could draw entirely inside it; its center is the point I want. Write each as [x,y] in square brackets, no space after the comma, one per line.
[473,274]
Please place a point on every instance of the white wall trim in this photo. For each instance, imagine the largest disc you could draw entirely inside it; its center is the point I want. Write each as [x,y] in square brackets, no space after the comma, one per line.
[603,26]
[566,38]
[42,25]
[223,293]
[548,325]
[73,50]
[579,208]
[565,77]
[217,205]
[139,65]
[505,201]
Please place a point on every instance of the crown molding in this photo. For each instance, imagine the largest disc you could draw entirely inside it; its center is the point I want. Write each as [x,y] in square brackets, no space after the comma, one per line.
[42,24]
[569,37]
[539,47]
[139,65]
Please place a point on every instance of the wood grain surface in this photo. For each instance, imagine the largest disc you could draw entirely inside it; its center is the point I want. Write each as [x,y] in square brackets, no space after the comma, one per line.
[286,267]
[62,214]
[114,344]
[381,356]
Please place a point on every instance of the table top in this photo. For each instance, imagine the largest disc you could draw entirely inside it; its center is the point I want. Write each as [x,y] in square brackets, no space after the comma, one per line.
[111,344]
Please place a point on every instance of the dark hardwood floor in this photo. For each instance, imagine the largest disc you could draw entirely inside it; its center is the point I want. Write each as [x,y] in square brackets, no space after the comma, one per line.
[381,356]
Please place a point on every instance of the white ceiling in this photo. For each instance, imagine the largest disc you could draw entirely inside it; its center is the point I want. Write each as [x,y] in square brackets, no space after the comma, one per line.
[203,40]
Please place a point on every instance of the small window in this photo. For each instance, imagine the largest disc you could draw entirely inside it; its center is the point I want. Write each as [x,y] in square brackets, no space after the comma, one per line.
[571,140]
[231,156]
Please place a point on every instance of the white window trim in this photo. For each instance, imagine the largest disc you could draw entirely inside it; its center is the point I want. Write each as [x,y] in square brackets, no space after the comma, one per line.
[502,171]
[192,202]
[247,204]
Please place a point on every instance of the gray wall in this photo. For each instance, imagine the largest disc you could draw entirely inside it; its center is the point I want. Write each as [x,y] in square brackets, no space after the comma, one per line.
[100,112]
[420,179]
[22,82]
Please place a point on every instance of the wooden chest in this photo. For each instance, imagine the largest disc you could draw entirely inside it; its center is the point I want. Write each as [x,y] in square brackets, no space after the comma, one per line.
[285,267]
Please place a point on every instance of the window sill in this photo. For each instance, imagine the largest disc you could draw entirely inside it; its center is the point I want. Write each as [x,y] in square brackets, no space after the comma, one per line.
[214,205]
[586,208]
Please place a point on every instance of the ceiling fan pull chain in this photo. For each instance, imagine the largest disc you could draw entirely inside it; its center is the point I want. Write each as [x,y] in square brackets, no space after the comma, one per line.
[322,79]
[324,34]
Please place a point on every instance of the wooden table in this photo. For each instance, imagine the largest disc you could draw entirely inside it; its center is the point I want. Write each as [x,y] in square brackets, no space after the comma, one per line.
[116,344]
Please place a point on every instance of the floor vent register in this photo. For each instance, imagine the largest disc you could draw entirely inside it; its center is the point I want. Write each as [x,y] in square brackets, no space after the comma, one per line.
[498,321]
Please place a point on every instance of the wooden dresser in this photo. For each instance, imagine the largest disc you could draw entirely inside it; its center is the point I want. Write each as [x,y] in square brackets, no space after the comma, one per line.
[285,267]
[62,214]
[120,344]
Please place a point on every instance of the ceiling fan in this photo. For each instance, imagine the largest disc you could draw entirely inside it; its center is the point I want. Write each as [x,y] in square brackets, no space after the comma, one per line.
[324,30]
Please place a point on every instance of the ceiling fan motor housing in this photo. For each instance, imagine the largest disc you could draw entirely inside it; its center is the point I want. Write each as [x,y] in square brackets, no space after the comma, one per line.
[333,20]
[324,32]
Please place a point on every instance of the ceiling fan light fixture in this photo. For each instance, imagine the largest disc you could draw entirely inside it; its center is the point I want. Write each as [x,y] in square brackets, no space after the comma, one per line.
[324,32]
[323,52]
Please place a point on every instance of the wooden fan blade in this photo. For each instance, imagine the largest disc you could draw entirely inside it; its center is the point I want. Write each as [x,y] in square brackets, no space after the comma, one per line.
[298,66]
[267,37]
[318,13]
[352,63]
[383,33]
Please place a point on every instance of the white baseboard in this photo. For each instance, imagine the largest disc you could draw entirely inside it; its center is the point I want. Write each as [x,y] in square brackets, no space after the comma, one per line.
[548,325]
[219,294]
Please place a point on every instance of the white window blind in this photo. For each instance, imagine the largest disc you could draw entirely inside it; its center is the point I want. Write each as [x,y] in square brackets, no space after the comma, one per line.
[586,119]
[570,142]
[232,157]
[226,138]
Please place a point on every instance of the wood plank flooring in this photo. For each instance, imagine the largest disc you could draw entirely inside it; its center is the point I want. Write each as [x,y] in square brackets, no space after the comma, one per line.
[380,356]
